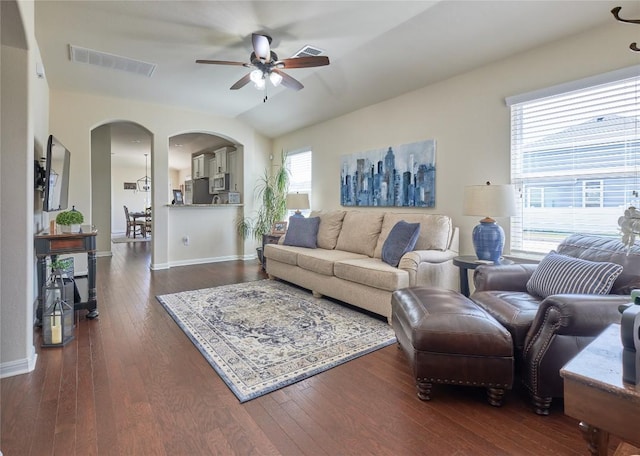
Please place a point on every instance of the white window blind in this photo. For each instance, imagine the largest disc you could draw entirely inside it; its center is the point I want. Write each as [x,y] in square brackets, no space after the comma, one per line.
[574,160]
[299,166]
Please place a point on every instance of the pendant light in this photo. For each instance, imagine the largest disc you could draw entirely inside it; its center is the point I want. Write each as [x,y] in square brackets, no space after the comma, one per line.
[144,183]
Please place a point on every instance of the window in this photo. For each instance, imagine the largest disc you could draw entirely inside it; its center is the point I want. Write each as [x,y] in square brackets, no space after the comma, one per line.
[592,193]
[299,166]
[574,159]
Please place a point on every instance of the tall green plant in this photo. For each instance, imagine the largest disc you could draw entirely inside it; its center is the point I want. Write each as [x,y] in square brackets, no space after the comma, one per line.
[271,190]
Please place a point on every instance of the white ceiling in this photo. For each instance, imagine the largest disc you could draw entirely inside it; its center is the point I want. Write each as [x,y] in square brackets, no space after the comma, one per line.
[378,49]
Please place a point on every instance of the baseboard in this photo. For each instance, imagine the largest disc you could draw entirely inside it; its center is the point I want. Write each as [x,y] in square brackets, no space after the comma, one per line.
[19,366]
[205,260]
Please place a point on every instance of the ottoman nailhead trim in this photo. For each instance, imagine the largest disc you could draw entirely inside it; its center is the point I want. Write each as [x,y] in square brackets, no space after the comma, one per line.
[462,382]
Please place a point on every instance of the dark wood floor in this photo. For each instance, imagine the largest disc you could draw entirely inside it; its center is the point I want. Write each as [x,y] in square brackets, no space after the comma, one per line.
[131,383]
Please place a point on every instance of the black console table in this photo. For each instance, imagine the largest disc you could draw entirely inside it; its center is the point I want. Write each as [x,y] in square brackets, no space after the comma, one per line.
[52,245]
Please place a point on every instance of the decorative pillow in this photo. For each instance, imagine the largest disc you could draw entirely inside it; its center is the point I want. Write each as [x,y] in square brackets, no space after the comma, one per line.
[561,274]
[330,226]
[402,239]
[302,232]
[360,232]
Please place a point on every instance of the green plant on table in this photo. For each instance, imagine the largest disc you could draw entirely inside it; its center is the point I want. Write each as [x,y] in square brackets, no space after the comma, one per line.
[72,217]
[271,190]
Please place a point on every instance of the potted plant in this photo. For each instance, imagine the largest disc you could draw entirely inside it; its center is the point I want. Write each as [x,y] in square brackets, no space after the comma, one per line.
[271,190]
[70,221]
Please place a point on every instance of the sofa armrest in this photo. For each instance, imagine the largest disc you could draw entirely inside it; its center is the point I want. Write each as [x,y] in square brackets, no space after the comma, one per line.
[563,325]
[507,277]
[411,260]
[582,315]
[431,268]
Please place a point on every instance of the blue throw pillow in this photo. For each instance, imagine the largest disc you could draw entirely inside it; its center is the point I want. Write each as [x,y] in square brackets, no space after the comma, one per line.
[402,239]
[302,232]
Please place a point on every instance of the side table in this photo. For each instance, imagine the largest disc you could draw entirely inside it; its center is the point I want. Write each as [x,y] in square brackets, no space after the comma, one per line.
[596,395]
[467,262]
[54,244]
[268,239]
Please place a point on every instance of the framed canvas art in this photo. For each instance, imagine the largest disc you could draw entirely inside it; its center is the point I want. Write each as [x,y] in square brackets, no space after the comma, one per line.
[403,175]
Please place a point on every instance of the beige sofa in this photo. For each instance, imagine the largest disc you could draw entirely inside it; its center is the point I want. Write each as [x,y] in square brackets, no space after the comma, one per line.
[347,263]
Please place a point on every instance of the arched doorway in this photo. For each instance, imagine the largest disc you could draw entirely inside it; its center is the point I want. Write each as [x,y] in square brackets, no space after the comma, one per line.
[124,149]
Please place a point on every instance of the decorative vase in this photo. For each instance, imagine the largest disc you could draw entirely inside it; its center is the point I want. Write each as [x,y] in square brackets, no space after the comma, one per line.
[488,240]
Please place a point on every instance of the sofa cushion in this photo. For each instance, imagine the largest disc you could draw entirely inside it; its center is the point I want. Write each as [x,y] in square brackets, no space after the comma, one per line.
[401,239]
[561,274]
[372,272]
[515,310]
[329,230]
[360,231]
[302,232]
[321,260]
[435,230]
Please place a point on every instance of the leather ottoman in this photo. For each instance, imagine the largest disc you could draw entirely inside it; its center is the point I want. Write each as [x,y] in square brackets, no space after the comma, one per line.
[449,339]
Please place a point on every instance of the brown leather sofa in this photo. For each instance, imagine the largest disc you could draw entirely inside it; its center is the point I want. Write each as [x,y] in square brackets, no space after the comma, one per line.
[548,332]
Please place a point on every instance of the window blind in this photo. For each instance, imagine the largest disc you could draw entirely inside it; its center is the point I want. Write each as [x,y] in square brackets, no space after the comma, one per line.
[299,166]
[574,160]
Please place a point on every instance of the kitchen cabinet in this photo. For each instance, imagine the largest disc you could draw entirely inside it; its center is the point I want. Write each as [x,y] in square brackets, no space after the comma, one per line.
[221,159]
[213,167]
[200,167]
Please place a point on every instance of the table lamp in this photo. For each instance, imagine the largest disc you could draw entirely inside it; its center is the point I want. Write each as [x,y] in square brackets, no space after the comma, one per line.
[296,202]
[489,200]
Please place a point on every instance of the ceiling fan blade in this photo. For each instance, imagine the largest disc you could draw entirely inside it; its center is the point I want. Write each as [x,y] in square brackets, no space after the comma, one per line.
[221,62]
[261,46]
[243,81]
[304,62]
[288,81]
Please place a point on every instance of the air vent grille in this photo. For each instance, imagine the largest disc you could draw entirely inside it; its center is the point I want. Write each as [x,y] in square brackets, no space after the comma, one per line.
[79,54]
[308,51]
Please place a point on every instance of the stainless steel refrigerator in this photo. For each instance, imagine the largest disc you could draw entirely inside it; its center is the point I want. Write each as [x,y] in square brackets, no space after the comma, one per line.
[197,191]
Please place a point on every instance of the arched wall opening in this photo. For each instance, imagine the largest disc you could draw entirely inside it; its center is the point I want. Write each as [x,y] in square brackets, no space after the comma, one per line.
[121,153]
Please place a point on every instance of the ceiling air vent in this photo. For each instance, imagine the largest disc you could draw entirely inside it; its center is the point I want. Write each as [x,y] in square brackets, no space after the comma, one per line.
[115,62]
[308,51]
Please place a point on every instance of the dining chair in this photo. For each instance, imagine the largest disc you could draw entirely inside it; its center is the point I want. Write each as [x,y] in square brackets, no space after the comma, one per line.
[133,224]
[147,222]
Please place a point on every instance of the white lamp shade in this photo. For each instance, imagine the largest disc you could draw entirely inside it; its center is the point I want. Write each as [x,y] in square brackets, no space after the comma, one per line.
[275,79]
[489,200]
[255,76]
[297,201]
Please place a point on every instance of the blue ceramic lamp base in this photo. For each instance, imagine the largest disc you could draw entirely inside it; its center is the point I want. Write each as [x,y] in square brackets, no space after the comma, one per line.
[488,240]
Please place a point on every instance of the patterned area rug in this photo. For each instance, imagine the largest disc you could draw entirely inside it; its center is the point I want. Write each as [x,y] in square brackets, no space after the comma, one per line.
[264,335]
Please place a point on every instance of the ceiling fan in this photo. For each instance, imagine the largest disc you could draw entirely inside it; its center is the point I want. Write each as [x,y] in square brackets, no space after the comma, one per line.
[267,65]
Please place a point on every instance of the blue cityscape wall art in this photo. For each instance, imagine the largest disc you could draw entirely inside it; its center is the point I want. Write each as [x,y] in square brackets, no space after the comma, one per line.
[403,175]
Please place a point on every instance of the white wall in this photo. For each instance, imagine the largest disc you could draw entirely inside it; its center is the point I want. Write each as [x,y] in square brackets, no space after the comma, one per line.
[23,126]
[467,117]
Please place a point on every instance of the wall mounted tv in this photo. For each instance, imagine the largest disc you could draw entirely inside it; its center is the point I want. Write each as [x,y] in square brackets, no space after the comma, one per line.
[56,184]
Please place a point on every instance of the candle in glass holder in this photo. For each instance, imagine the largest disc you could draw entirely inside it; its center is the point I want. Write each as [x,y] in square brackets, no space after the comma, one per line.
[56,323]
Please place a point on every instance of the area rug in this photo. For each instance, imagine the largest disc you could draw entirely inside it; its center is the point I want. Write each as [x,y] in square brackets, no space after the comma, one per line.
[124,239]
[264,335]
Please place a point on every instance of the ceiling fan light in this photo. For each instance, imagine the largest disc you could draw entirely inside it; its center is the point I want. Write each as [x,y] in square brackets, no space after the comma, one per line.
[260,84]
[275,79]
[256,76]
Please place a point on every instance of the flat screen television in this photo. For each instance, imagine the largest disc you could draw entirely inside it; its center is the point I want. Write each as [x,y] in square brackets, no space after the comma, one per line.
[56,182]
